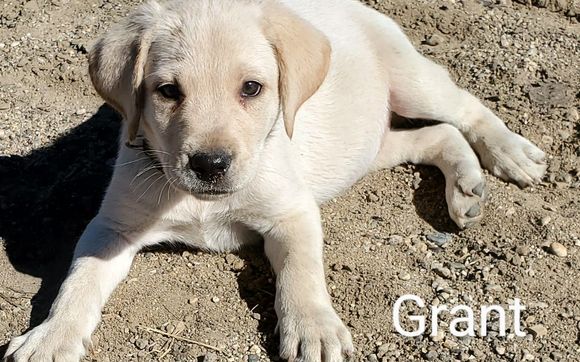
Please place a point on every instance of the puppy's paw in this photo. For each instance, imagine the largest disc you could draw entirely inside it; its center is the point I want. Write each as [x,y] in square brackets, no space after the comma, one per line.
[314,336]
[48,342]
[511,157]
[466,195]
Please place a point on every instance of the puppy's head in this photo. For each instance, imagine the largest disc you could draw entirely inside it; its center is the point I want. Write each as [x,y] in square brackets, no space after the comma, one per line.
[205,82]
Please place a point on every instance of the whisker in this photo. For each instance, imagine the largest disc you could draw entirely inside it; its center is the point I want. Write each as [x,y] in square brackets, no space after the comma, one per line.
[148,178]
[132,162]
[161,192]
[172,183]
[147,168]
[153,183]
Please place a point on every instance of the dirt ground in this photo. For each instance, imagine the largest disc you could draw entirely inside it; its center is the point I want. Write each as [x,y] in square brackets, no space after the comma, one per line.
[58,143]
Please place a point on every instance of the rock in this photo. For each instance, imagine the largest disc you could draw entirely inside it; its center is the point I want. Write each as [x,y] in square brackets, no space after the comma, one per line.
[141,343]
[443,272]
[558,250]
[404,276]
[504,41]
[253,358]
[372,358]
[395,239]
[527,356]
[500,350]
[209,357]
[439,337]
[4,106]
[431,355]
[238,265]
[545,220]
[433,40]
[439,239]
[572,115]
[538,331]
[450,344]
[523,250]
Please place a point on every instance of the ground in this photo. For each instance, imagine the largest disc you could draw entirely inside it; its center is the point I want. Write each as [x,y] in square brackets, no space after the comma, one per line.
[57,146]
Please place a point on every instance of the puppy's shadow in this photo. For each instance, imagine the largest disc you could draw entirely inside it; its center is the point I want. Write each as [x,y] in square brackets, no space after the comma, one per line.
[47,198]
[429,197]
[257,287]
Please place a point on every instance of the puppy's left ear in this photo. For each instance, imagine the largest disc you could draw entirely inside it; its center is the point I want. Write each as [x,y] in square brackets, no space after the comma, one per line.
[117,62]
[303,54]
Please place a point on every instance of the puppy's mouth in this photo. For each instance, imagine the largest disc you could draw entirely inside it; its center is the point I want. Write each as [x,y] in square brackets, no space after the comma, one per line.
[203,190]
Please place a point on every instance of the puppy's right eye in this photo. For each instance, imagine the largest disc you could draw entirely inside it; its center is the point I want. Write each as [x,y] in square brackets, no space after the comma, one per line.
[169,91]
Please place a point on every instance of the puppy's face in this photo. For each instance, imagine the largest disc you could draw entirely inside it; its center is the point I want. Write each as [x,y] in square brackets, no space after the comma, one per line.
[206,81]
[210,102]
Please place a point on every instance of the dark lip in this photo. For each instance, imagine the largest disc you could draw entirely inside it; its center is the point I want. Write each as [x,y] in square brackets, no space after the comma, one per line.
[211,195]
[212,192]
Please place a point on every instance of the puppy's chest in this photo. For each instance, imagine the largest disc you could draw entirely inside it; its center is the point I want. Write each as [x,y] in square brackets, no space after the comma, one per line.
[208,227]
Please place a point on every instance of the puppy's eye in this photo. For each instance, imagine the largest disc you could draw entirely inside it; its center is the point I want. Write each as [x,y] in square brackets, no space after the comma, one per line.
[169,91]
[251,89]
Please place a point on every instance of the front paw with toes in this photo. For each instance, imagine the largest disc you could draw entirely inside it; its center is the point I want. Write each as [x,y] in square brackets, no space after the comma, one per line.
[316,336]
[48,342]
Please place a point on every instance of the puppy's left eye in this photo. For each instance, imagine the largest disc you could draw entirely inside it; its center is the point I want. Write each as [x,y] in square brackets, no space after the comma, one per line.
[251,89]
[169,91]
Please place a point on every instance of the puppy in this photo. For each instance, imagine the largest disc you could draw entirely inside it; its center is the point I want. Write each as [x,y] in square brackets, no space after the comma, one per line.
[250,113]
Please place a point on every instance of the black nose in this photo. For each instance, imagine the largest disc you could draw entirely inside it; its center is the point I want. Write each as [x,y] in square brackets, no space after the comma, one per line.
[210,167]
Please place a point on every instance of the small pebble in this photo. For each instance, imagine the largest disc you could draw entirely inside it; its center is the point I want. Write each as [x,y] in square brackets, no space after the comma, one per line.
[405,276]
[523,250]
[215,299]
[433,40]
[395,239]
[440,239]
[255,349]
[545,220]
[500,350]
[141,343]
[439,337]
[209,357]
[538,331]
[527,356]
[558,250]
[431,355]
[372,358]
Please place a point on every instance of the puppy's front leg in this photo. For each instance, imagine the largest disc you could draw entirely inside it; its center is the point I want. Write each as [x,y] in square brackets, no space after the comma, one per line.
[308,325]
[102,259]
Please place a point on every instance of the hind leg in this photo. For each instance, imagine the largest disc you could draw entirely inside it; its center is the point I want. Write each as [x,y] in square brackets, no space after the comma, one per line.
[422,89]
[442,146]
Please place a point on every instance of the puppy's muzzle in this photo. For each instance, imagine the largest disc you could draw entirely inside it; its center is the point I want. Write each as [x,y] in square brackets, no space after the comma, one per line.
[210,167]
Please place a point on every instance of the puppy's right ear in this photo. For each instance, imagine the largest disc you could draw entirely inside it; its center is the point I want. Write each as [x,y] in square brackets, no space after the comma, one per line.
[117,62]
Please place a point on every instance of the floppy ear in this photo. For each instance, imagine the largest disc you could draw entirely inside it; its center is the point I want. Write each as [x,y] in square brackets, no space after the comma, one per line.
[303,57]
[117,61]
